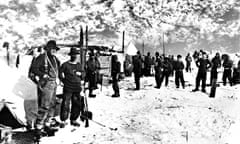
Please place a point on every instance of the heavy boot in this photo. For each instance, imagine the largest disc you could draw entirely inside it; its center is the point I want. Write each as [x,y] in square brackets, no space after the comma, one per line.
[75,123]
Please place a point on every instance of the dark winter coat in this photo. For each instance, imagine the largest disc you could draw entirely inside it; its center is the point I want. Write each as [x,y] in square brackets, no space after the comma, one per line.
[137,65]
[216,62]
[92,65]
[42,66]
[116,67]
[228,64]
[71,81]
[158,66]
[178,66]
[167,66]
[203,65]
[147,61]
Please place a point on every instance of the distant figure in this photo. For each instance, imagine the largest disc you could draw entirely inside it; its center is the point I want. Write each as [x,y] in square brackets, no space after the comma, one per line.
[178,67]
[171,60]
[127,66]
[158,67]
[227,72]
[216,63]
[195,55]
[99,78]
[147,64]
[115,72]
[92,67]
[6,45]
[203,65]
[167,68]
[236,74]
[188,60]
[137,69]
[17,60]
[152,66]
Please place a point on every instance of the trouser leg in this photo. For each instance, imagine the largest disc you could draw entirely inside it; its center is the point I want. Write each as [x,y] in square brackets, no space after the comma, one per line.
[65,106]
[47,103]
[115,86]
[182,79]
[137,81]
[177,78]
[224,78]
[158,79]
[204,78]
[229,76]
[76,106]
[166,78]
[198,81]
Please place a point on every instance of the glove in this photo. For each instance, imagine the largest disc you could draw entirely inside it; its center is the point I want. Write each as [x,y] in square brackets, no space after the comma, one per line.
[45,76]
[78,73]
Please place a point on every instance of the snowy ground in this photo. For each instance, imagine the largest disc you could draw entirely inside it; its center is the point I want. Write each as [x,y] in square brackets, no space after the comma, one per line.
[162,116]
[165,116]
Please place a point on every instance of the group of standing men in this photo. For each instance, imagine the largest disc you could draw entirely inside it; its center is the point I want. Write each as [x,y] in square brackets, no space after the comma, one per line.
[46,68]
[165,67]
[44,71]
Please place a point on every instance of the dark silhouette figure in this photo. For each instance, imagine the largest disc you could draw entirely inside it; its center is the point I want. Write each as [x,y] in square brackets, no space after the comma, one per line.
[227,72]
[137,69]
[178,67]
[115,72]
[203,65]
[216,63]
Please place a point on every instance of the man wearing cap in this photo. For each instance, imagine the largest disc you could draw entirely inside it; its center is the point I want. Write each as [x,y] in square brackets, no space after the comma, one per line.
[178,67]
[70,74]
[137,69]
[46,67]
[92,67]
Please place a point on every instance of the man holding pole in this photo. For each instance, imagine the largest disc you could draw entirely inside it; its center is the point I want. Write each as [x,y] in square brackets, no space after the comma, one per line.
[70,74]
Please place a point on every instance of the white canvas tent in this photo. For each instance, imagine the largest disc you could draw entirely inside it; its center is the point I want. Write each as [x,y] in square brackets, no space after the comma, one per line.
[18,96]
[131,49]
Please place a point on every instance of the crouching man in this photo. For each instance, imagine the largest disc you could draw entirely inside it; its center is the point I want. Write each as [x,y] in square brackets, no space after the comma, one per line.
[70,74]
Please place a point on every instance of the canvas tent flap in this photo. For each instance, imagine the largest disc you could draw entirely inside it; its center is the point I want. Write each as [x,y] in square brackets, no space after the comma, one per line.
[8,118]
[21,92]
[131,49]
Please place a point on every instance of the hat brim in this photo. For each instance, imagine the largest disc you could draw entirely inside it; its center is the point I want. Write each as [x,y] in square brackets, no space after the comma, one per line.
[70,54]
[56,48]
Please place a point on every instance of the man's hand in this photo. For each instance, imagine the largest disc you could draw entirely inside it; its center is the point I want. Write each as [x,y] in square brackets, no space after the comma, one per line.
[45,76]
[78,73]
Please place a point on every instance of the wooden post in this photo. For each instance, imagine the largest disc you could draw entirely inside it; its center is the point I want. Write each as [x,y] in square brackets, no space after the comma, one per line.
[143,48]
[82,56]
[123,41]
[163,44]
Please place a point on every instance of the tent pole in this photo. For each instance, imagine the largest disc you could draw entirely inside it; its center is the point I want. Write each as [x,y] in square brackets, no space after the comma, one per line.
[163,45]
[123,37]
[143,47]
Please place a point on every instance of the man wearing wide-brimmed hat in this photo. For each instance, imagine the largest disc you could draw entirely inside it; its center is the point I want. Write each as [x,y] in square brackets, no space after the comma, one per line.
[46,67]
[70,75]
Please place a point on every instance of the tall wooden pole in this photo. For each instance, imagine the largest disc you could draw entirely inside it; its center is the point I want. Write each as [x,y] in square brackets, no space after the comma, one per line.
[86,37]
[123,38]
[163,44]
[82,56]
[143,47]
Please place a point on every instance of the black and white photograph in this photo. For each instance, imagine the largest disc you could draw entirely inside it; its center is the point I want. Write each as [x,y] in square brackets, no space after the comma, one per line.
[119,71]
